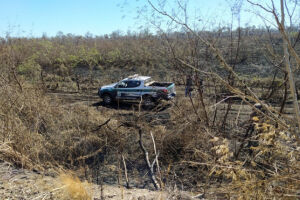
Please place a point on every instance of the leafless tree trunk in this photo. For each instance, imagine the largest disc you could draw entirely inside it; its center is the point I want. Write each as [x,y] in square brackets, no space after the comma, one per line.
[285,94]
[288,66]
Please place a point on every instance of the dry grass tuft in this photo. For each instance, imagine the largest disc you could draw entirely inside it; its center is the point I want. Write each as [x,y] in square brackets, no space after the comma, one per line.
[74,188]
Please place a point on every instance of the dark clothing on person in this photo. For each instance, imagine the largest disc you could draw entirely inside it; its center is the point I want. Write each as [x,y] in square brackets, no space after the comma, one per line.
[188,86]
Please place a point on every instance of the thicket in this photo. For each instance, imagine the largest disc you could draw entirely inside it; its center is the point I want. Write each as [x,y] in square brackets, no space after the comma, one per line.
[77,60]
[81,60]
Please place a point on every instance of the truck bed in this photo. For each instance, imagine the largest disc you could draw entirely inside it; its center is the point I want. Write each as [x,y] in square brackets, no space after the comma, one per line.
[160,84]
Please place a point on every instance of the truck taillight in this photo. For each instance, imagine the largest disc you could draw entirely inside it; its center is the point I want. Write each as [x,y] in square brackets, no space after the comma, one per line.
[165,90]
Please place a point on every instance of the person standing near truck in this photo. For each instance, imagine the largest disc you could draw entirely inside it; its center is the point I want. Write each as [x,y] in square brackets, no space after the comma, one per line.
[188,85]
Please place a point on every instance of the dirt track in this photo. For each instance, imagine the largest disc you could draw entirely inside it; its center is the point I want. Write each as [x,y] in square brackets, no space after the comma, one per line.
[238,109]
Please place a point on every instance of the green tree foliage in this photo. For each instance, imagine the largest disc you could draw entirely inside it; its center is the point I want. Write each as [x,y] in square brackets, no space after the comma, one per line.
[30,69]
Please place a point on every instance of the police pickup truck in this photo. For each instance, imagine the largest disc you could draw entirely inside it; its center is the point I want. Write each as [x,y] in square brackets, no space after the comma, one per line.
[141,88]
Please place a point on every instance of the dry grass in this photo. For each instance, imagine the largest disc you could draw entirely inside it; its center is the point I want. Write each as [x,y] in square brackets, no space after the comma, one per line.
[7,153]
[39,132]
[74,188]
[36,130]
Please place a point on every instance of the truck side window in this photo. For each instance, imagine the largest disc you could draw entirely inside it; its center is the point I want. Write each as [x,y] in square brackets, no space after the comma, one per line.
[133,84]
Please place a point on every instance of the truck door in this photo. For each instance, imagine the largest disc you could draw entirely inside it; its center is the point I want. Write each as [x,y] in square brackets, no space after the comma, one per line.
[134,90]
[129,89]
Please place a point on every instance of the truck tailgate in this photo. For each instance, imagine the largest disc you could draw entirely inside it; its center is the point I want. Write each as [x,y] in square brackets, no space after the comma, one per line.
[171,88]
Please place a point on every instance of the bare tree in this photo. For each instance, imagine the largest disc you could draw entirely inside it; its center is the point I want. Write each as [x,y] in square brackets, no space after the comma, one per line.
[287,48]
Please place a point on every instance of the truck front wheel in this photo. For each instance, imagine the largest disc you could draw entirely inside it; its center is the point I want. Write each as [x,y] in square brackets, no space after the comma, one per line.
[107,99]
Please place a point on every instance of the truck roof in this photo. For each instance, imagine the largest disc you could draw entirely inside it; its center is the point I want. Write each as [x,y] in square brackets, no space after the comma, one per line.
[137,77]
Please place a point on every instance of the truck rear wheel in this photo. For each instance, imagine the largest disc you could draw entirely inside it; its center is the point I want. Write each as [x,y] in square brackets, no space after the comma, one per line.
[148,101]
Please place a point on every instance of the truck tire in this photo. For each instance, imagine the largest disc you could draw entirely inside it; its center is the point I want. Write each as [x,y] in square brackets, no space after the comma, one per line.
[148,101]
[107,99]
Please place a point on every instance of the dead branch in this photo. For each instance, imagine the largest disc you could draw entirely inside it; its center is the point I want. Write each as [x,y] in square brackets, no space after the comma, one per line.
[156,157]
[99,127]
[149,165]
[89,155]
[125,171]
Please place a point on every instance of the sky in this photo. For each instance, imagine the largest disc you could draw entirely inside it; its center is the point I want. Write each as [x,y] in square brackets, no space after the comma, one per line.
[32,18]
[35,17]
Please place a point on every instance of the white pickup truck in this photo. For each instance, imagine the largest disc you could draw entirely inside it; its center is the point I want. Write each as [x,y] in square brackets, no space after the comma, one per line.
[137,88]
